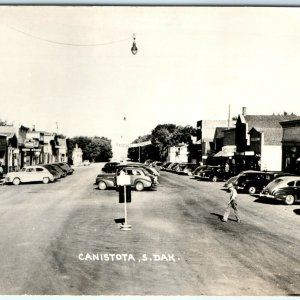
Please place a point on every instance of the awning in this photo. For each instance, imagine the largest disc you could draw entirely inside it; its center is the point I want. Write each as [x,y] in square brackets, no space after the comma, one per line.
[224,154]
[227,151]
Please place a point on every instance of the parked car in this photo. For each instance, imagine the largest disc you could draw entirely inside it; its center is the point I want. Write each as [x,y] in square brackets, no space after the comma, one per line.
[139,178]
[172,168]
[62,170]
[165,165]
[213,173]
[149,169]
[285,189]
[65,167]
[186,168]
[254,181]
[56,173]
[196,172]
[86,163]
[29,174]
[156,164]
[110,167]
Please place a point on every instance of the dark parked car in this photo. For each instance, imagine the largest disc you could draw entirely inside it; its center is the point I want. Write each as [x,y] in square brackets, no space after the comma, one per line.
[254,181]
[196,172]
[110,167]
[213,173]
[285,189]
[165,165]
[66,167]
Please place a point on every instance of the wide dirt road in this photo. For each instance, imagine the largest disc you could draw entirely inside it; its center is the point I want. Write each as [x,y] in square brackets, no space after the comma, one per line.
[63,239]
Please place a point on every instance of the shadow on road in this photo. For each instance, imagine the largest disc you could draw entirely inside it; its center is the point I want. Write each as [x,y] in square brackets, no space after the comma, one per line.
[268,201]
[221,217]
[120,221]
[297,211]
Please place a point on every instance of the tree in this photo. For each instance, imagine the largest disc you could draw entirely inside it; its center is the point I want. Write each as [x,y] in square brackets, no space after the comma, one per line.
[95,149]
[162,137]
[145,152]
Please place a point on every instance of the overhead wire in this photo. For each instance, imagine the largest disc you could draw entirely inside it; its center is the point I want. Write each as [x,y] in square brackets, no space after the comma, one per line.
[64,43]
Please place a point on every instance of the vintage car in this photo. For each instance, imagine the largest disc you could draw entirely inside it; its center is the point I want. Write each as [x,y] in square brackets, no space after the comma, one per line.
[53,170]
[213,173]
[186,168]
[196,172]
[165,165]
[29,174]
[150,170]
[86,162]
[254,181]
[66,167]
[285,189]
[110,167]
[139,179]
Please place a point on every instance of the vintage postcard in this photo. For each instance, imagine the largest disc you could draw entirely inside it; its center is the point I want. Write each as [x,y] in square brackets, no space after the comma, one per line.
[149,150]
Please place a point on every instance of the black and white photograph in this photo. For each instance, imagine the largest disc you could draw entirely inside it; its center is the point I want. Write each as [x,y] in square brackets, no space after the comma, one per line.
[149,150]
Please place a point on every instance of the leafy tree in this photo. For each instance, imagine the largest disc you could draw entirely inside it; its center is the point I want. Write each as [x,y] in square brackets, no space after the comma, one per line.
[95,148]
[162,137]
[145,152]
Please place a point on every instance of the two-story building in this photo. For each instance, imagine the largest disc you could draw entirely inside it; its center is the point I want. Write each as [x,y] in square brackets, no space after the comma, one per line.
[258,141]
[206,130]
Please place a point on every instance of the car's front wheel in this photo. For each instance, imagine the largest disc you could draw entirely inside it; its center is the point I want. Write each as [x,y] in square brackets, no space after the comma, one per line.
[289,200]
[16,181]
[252,190]
[46,180]
[139,186]
[214,179]
[102,185]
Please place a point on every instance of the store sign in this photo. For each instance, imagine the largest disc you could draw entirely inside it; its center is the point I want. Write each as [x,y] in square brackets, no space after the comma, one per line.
[31,144]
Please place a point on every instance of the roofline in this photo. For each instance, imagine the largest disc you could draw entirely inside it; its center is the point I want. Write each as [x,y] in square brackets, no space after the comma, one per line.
[290,123]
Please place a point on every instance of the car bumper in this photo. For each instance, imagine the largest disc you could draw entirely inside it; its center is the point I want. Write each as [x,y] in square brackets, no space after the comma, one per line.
[266,195]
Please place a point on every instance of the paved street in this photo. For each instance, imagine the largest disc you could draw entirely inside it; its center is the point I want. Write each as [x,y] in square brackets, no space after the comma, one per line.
[63,239]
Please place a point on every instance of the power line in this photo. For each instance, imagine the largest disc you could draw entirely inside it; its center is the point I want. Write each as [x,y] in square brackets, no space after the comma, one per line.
[63,43]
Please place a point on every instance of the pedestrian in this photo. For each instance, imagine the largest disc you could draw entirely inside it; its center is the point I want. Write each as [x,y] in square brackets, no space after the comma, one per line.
[1,171]
[226,171]
[231,204]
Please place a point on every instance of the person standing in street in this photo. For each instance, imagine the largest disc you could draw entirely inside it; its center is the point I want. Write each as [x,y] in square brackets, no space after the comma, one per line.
[231,204]
[1,171]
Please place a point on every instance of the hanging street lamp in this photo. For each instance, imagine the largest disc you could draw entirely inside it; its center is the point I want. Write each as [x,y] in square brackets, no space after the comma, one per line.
[134,48]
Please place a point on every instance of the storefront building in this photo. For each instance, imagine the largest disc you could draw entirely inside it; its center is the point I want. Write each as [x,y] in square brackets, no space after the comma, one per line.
[291,146]
[206,130]
[9,152]
[258,141]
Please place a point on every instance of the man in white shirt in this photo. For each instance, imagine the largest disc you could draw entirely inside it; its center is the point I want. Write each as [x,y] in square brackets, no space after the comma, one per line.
[232,203]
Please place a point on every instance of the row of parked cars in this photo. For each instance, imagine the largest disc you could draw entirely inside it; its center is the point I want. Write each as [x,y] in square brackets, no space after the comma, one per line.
[179,168]
[141,176]
[269,185]
[39,173]
[264,184]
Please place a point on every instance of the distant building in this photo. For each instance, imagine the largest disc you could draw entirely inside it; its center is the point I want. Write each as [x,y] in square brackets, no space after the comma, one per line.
[178,153]
[8,148]
[77,156]
[206,131]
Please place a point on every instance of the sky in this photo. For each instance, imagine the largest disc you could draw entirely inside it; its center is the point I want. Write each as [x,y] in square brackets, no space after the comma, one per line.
[70,69]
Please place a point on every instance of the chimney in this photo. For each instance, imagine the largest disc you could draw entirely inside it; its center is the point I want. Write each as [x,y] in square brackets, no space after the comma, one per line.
[244,111]
[33,127]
